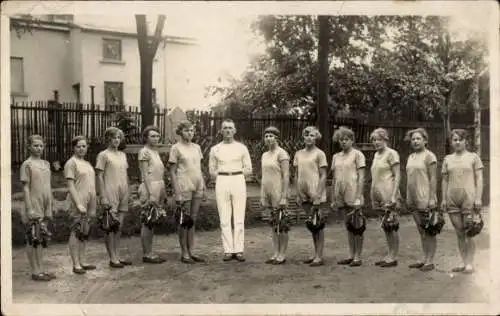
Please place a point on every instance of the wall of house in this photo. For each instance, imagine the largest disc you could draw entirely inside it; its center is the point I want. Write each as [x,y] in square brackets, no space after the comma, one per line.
[96,71]
[55,60]
[45,54]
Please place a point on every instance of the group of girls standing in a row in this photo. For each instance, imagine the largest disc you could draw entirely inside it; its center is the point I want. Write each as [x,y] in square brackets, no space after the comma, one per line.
[111,189]
[461,189]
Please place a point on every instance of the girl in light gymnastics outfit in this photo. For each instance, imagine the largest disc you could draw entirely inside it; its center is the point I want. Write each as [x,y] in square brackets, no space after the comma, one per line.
[385,194]
[348,169]
[152,189]
[38,202]
[462,190]
[274,190]
[82,200]
[310,173]
[189,186]
[421,192]
[111,167]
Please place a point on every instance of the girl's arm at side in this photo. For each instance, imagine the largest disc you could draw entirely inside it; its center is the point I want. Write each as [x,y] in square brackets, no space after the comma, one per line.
[173,179]
[361,183]
[396,171]
[27,200]
[73,193]
[143,167]
[100,185]
[478,173]
[285,178]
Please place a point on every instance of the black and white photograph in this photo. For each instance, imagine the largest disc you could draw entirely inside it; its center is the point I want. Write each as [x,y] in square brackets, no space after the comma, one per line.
[227,155]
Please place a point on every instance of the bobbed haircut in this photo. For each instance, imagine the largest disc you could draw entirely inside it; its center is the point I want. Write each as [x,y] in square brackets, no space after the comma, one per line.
[182,125]
[33,138]
[272,130]
[420,131]
[113,132]
[75,140]
[380,133]
[147,129]
[343,132]
[461,133]
[313,130]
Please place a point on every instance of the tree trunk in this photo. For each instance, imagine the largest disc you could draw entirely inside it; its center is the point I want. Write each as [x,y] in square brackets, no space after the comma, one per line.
[147,51]
[147,110]
[322,112]
[477,115]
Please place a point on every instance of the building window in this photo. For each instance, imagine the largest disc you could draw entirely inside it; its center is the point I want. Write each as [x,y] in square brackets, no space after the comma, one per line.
[16,75]
[112,49]
[113,92]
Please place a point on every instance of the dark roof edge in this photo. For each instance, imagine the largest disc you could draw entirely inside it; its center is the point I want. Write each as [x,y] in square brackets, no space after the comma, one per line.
[67,26]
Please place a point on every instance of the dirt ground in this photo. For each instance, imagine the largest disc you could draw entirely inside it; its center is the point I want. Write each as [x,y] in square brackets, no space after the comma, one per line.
[256,282]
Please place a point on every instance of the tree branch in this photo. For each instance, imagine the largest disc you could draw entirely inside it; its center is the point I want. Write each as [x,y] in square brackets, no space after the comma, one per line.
[157,35]
[142,33]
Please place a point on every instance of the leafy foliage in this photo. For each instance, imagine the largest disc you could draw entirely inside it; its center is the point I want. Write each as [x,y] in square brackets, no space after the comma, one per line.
[385,65]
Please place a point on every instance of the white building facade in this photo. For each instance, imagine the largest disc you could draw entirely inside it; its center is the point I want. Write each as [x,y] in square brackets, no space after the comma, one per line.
[61,54]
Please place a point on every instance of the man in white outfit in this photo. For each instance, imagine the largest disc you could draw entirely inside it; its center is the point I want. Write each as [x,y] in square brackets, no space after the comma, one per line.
[229,163]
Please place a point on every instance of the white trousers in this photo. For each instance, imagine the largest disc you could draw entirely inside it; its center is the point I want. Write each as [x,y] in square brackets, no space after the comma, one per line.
[231,196]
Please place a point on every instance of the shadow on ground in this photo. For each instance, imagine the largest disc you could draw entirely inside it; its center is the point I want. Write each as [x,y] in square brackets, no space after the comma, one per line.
[256,282]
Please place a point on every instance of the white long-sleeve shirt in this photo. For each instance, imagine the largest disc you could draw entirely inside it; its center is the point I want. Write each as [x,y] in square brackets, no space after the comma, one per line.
[229,157]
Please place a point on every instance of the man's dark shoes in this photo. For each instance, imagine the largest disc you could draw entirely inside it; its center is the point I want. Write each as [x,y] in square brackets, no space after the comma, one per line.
[240,257]
[227,257]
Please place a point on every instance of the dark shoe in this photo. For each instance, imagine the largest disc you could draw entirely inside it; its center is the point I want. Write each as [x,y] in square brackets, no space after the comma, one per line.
[417,265]
[379,263]
[427,267]
[126,262]
[88,266]
[155,260]
[41,277]
[345,261]
[187,260]
[278,262]
[197,259]
[51,275]
[115,265]
[308,261]
[317,263]
[79,271]
[468,271]
[355,263]
[240,257]
[389,264]
[270,261]
[458,269]
[227,257]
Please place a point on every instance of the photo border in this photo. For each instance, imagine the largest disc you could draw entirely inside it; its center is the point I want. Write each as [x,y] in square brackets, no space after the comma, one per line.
[462,8]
